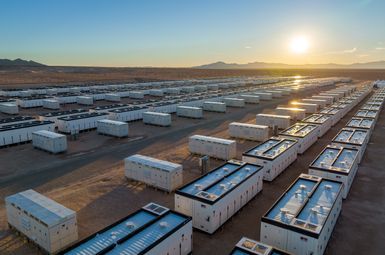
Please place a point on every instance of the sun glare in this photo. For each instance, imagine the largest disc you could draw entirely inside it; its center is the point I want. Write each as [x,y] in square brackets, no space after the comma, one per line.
[299,45]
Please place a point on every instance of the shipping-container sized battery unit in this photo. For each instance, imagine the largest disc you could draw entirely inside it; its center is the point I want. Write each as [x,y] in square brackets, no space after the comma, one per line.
[362,123]
[323,121]
[264,95]
[152,230]
[215,197]
[85,100]
[328,99]
[80,122]
[294,113]
[368,106]
[157,119]
[155,172]
[320,102]
[43,221]
[212,106]
[53,116]
[9,108]
[275,155]
[22,132]
[189,112]
[308,107]
[248,246]
[367,114]
[302,220]
[156,92]
[353,138]
[281,121]
[131,113]
[49,141]
[51,104]
[337,163]
[250,99]
[234,102]
[249,131]
[335,113]
[212,146]
[306,134]
[111,97]
[112,128]
[16,120]
[275,93]
[136,94]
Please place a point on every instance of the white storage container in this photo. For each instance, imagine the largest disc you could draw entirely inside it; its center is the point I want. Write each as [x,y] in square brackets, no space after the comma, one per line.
[112,128]
[152,230]
[22,132]
[309,108]
[234,102]
[157,119]
[44,222]
[30,102]
[353,138]
[189,112]
[156,92]
[337,163]
[85,100]
[323,121]
[131,113]
[211,106]
[136,94]
[322,103]
[249,131]
[328,99]
[213,147]
[9,108]
[173,91]
[53,116]
[250,99]
[306,134]
[215,197]
[281,121]
[275,93]
[52,104]
[155,172]
[112,97]
[76,123]
[302,220]
[49,141]
[294,113]
[275,155]
[264,95]
[335,113]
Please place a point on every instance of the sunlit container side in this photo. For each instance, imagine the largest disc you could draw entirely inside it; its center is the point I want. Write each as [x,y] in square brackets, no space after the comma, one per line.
[275,155]
[320,102]
[353,138]
[336,96]
[294,113]
[281,121]
[337,163]
[9,108]
[189,112]
[155,172]
[80,122]
[52,104]
[329,99]
[157,119]
[264,95]
[136,94]
[49,141]
[49,225]
[156,92]
[308,107]
[247,246]
[250,99]
[112,97]
[275,93]
[302,220]
[306,134]
[112,128]
[213,147]
[234,102]
[215,197]
[212,106]
[22,132]
[152,230]
[249,131]
[85,100]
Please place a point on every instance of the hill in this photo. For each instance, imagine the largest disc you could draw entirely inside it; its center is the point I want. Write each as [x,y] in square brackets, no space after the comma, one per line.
[19,62]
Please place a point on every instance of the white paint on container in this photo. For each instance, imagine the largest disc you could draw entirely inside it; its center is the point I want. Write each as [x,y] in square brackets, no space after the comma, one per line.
[154,172]
[250,99]
[281,121]
[80,122]
[249,131]
[328,99]
[156,92]
[157,119]
[294,113]
[85,100]
[264,95]
[189,112]
[112,128]
[112,97]
[49,141]
[322,103]
[213,147]
[43,221]
[52,104]
[136,94]
[9,108]
[308,107]
[234,102]
[212,106]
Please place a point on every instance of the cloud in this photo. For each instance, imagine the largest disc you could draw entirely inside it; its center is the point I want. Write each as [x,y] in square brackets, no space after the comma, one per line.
[347,51]
[247,47]
[362,55]
[350,51]
[380,48]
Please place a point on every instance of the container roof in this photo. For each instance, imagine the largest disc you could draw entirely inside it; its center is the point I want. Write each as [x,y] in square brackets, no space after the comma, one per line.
[271,148]
[48,134]
[299,130]
[248,246]
[351,136]
[360,122]
[153,162]
[316,118]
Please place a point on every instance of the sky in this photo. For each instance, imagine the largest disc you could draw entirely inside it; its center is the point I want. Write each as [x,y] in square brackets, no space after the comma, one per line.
[184,33]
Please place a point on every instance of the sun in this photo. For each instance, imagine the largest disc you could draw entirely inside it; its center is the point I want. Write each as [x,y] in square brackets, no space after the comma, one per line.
[299,45]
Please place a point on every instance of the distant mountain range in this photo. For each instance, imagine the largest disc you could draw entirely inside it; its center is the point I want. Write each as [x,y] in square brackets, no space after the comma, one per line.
[263,65]
[19,62]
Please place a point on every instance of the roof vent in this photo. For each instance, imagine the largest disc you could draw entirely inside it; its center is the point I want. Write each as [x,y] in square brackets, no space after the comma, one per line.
[314,210]
[302,187]
[163,224]
[284,211]
[222,185]
[328,187]
[198,186]
[130,224]
[247,169]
